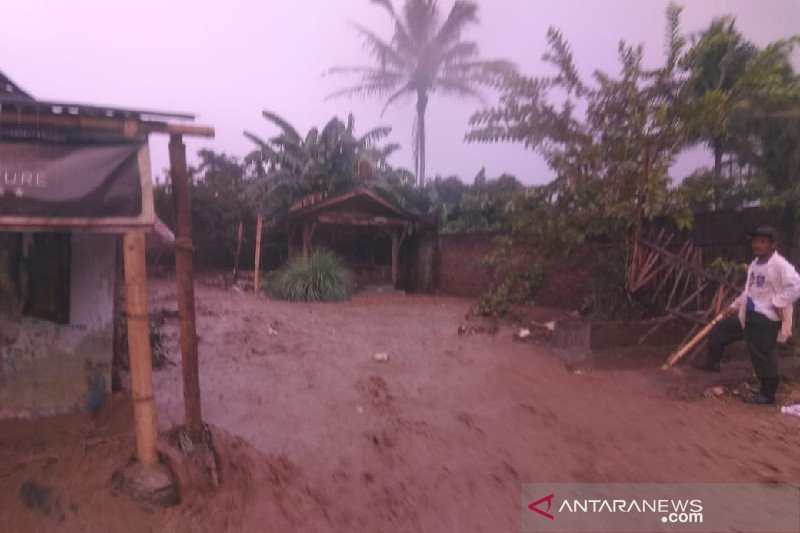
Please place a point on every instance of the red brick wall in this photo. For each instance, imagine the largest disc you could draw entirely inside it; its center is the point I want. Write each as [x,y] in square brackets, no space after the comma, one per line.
[460,271]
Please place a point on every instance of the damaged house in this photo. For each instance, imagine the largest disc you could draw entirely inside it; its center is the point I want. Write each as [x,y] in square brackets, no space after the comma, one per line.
[66,196]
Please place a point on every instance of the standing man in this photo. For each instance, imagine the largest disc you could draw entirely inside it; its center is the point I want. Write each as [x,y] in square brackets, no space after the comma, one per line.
[761,315]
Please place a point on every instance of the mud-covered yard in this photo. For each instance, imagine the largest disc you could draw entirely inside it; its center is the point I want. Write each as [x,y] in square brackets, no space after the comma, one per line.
[438,438]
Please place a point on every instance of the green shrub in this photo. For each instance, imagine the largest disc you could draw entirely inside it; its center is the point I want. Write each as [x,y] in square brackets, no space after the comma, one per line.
[516,288]
[319,278]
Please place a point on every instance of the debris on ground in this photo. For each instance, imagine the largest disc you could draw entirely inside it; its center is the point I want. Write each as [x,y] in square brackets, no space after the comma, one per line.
[381,357]
[793,410]
[275,327]
[522,334]
[714,392]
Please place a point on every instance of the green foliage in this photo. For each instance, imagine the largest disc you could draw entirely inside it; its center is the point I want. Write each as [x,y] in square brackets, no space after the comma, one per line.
[319,278]
[287,166]
[425,55]
[484,205]
[517,288]
[610,160]
[723,268]
[217,190]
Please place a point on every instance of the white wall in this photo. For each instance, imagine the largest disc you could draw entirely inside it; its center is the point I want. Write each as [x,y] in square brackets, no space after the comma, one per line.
[92,285]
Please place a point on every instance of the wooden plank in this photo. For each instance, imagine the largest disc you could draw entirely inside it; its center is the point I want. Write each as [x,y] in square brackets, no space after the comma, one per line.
[351,220]
[691,267]
[128,127]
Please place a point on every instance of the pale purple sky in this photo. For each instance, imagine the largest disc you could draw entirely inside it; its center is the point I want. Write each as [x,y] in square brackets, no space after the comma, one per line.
[228,60]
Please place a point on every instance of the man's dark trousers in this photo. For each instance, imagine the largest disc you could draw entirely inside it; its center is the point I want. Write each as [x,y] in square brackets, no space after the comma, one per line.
[760,334]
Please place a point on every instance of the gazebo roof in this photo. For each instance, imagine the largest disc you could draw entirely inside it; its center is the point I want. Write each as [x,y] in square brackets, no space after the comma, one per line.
[360,206]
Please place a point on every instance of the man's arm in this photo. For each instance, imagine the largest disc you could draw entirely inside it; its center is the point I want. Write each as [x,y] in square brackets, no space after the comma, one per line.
[789,291]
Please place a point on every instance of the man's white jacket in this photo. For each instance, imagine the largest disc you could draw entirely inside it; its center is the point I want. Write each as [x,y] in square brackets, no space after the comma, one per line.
[785,285]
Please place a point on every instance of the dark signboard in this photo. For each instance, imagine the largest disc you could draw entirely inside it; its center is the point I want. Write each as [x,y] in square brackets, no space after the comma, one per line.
[50,182]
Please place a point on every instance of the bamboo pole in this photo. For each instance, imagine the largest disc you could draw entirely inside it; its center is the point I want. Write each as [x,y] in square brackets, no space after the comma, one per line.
[683,350]
[184,276]
[141,360]
[238,250]
[257,270]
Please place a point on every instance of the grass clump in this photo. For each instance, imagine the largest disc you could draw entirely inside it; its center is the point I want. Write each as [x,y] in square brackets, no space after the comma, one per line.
[321,277]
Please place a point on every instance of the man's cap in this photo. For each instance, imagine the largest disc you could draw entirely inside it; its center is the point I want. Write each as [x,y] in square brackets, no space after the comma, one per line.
[765,231]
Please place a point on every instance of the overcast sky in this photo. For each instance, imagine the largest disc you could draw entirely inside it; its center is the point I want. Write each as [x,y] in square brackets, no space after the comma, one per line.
[228,60]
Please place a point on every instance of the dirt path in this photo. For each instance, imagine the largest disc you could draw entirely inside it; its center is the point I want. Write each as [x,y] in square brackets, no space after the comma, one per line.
[441,436]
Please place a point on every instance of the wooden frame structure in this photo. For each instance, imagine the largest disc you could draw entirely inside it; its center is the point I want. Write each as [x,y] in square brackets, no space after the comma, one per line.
[360,207]
[21,111]
[670,279]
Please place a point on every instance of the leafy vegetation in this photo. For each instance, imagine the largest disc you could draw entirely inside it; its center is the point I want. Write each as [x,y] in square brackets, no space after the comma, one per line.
[611,141]
[219,202]
[321,277]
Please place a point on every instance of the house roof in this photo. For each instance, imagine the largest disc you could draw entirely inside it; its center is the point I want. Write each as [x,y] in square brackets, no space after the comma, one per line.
[13,98]
[10,91]
[360,202]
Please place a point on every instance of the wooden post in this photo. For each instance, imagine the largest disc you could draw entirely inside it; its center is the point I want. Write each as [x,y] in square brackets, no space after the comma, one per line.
[308,237]
[118,324]
[398,237]
[395,255]
[238,250]
[184,276]
[141,361]
[257,271]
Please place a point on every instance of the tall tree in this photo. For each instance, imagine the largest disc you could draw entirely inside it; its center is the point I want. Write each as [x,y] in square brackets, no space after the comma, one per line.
[611,161]
[424,56]
[717,62]
[771,118]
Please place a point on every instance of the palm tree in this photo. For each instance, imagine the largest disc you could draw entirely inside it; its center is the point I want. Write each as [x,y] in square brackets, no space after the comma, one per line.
[289,165]
[425,55]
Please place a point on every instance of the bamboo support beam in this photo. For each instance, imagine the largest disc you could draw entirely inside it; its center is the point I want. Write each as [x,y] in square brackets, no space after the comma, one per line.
[257,270]
[184,276]
[141,361]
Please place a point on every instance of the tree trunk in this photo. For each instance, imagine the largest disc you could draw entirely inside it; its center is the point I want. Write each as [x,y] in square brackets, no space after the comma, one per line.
[717,173]
[422,105]
[184,277]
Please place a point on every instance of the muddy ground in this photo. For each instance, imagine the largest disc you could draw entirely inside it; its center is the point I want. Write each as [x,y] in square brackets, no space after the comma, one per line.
[317,436]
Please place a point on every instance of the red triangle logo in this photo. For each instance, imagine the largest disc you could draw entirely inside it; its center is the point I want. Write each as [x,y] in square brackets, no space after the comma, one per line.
[548,499]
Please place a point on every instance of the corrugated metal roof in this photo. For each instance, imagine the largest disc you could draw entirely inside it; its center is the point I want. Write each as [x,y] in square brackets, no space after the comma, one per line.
[13,98]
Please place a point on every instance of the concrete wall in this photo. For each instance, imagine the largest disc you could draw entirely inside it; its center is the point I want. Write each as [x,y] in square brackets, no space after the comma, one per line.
[48,368]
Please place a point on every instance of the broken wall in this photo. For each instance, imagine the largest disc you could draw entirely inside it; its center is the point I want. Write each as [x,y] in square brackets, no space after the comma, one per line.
[48,368]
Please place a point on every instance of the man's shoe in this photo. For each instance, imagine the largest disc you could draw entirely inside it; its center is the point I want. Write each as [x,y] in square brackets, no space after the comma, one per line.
[759,399]
[705,366]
